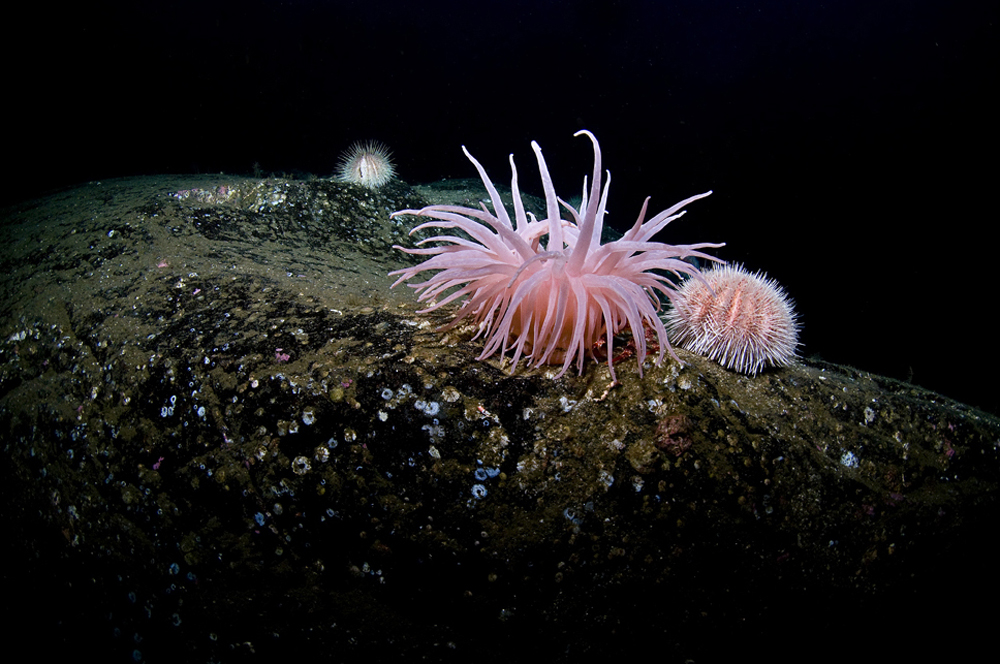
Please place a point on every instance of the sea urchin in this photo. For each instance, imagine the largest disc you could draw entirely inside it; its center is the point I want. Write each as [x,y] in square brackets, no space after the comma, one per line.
[743,321]
[550,301]
[368,164]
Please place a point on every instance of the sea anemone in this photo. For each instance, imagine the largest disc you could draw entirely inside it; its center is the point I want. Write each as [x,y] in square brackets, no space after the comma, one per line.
[368,164]
[551,302]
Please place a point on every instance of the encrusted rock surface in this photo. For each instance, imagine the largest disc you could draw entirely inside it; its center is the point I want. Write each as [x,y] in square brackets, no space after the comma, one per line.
[225,439]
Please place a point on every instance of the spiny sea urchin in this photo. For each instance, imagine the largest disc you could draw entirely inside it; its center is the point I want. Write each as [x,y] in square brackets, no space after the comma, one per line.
[550,302]
[742,321]
[368,164]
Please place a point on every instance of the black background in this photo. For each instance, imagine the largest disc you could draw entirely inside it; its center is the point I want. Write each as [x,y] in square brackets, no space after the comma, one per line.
[851,145]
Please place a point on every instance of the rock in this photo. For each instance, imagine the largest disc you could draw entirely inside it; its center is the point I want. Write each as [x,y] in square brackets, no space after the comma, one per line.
[226,439]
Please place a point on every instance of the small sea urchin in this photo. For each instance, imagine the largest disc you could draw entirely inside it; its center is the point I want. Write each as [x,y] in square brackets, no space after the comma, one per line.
[550,302]
[742,321]
[368,164]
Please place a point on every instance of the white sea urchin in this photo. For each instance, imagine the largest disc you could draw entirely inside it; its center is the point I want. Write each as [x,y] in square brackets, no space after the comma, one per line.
[368,164]
[743,321]
[550,303]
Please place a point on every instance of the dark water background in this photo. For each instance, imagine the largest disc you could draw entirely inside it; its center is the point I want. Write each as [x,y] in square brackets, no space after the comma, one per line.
[848,143]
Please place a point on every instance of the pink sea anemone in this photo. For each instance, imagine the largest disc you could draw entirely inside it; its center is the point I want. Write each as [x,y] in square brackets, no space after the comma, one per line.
[550,302]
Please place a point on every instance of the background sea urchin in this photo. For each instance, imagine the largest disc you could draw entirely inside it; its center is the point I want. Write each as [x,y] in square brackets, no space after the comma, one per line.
[551,302]
[368,164]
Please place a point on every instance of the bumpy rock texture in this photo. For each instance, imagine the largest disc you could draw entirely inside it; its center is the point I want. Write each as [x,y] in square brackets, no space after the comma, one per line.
[225,439]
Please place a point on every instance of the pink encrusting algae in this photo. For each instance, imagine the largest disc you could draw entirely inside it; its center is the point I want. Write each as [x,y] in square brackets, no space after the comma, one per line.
[550,301]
